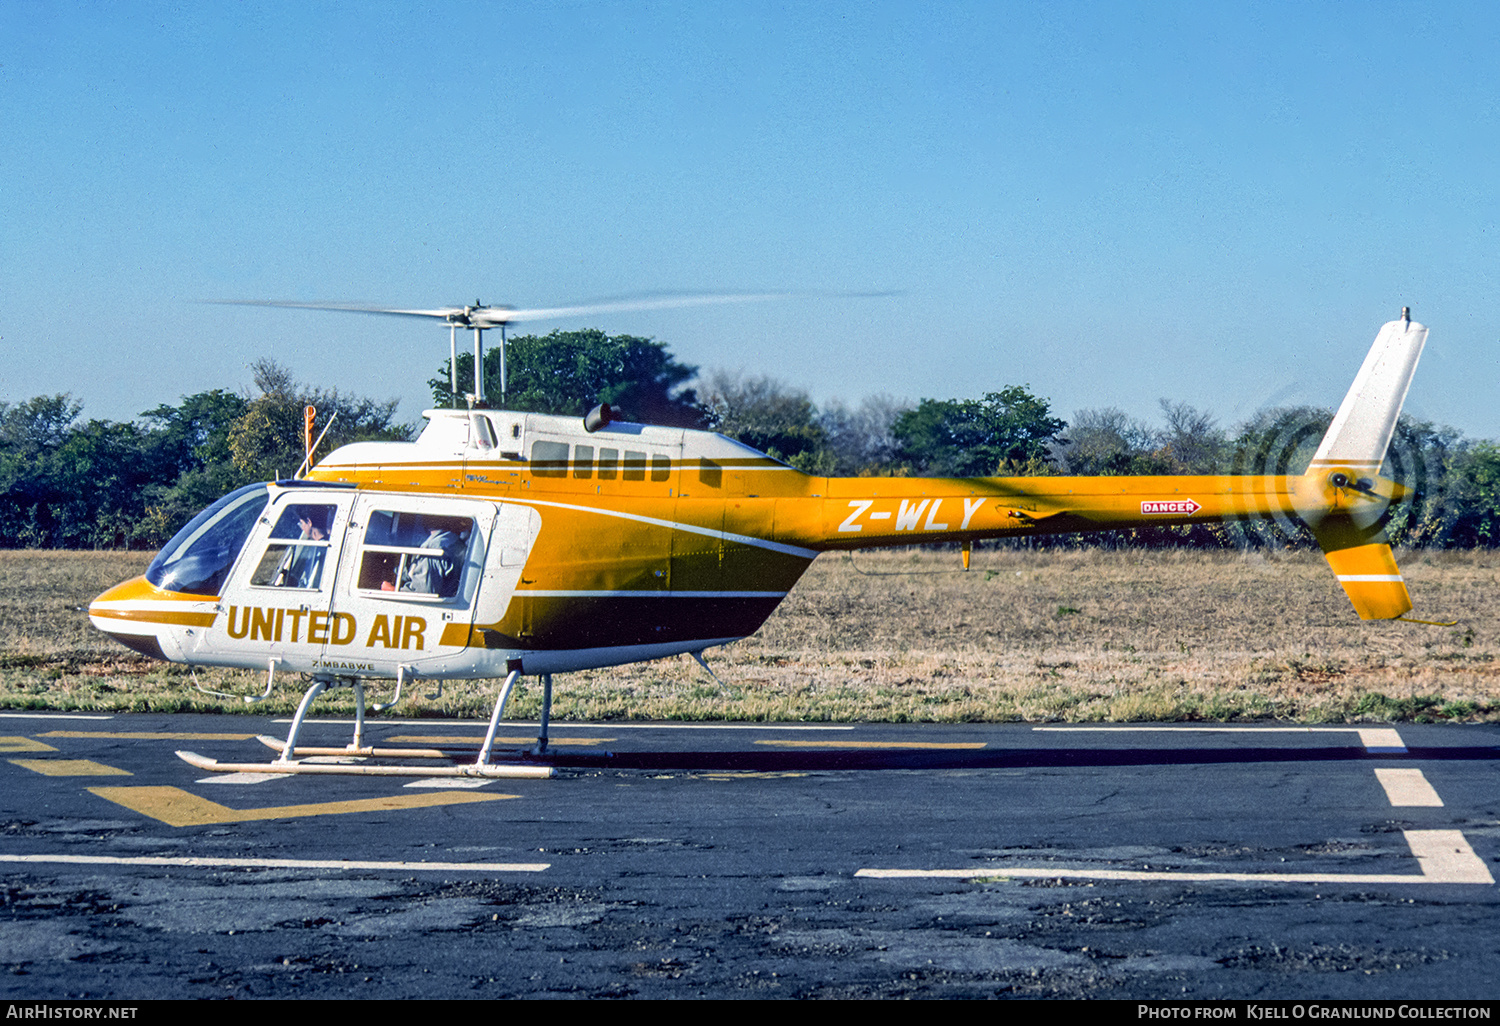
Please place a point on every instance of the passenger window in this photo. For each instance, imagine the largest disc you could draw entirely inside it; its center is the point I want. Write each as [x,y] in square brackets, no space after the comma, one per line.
[583,461]
[609,464]
[635,466]
[416,554]
[709,473]
[661,468]
[549,459]
[299,542]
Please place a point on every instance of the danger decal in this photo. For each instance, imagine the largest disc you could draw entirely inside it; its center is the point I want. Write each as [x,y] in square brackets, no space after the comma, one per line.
[1175,507]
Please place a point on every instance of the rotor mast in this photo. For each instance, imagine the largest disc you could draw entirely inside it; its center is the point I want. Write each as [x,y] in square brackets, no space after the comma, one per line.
[466,318]
[479,367]
[453,364]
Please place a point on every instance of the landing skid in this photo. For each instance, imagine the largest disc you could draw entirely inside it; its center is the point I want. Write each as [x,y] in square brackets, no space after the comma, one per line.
[500,770]
[351,757]
[278,745]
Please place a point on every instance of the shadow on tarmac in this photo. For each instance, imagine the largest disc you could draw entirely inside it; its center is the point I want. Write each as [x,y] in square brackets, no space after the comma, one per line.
[1014,758]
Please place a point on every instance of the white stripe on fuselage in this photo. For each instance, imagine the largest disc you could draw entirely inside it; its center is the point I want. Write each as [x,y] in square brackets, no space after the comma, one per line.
[741,539]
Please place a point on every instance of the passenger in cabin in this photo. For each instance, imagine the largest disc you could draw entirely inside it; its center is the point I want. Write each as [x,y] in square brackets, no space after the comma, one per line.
[435,575]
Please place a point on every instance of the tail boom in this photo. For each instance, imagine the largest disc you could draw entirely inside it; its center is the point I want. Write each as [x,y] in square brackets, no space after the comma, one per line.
[868,512]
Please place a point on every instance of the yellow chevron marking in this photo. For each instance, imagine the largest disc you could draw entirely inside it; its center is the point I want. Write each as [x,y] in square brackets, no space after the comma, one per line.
[70,768]
[23,744]
[176,807]
[147,735]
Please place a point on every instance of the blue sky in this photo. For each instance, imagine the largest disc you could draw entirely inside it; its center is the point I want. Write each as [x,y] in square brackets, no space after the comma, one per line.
[1111,203]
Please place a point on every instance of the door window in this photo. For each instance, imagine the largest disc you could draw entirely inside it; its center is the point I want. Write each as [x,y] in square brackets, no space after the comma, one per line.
[298,548]
[416,555]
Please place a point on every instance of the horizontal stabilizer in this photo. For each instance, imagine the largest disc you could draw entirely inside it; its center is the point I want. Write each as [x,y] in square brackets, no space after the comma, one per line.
[1371,579]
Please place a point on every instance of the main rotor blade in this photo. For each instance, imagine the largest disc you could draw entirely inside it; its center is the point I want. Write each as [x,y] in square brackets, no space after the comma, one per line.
[495,316]
[643,303]
[444,313]
[672,302]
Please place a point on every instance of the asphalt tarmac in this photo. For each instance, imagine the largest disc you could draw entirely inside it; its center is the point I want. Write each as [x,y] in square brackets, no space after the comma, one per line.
[762,860]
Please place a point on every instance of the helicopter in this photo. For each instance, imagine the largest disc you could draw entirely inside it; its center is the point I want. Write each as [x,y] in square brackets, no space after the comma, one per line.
[502,544]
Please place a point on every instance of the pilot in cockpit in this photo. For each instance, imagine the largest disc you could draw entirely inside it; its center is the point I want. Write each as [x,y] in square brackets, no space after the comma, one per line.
[304,566]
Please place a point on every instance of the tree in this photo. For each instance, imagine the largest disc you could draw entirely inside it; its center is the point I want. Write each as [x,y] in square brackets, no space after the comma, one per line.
[1194,439]
[766,414]
[187,446]
[1447,483]
[1281,440]
[195,433]
[1476,512]
[102,474]
[1105,442]
[569,372]
[861,440]
[69,485]
[266,440]
[31,433]
[976,437]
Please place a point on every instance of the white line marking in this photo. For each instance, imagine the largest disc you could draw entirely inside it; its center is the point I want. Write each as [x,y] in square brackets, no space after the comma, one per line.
[1444,856]
[154,605]
[50,716]
[1376,739]
[1408,787]
[560,727]
[214,863]
[449,783]
[242,778]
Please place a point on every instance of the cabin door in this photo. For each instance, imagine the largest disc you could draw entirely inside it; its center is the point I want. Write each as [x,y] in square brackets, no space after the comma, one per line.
[409,580]
[278,601]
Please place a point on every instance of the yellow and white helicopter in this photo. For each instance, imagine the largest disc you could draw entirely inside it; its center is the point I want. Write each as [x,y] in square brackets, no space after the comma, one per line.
[502,543]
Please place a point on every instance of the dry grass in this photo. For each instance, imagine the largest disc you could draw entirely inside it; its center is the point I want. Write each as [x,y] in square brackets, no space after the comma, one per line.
[1084,635]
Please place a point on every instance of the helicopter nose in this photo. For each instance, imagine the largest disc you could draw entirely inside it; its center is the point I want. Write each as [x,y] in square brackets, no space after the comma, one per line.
[125,613]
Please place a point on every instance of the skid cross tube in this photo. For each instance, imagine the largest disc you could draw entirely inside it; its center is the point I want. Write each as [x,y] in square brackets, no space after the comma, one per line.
[489,737]
[288,753]
[359,714]
[318,687]
[541,741]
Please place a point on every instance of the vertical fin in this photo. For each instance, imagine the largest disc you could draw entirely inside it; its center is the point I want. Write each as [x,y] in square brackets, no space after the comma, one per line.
[1361,430]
